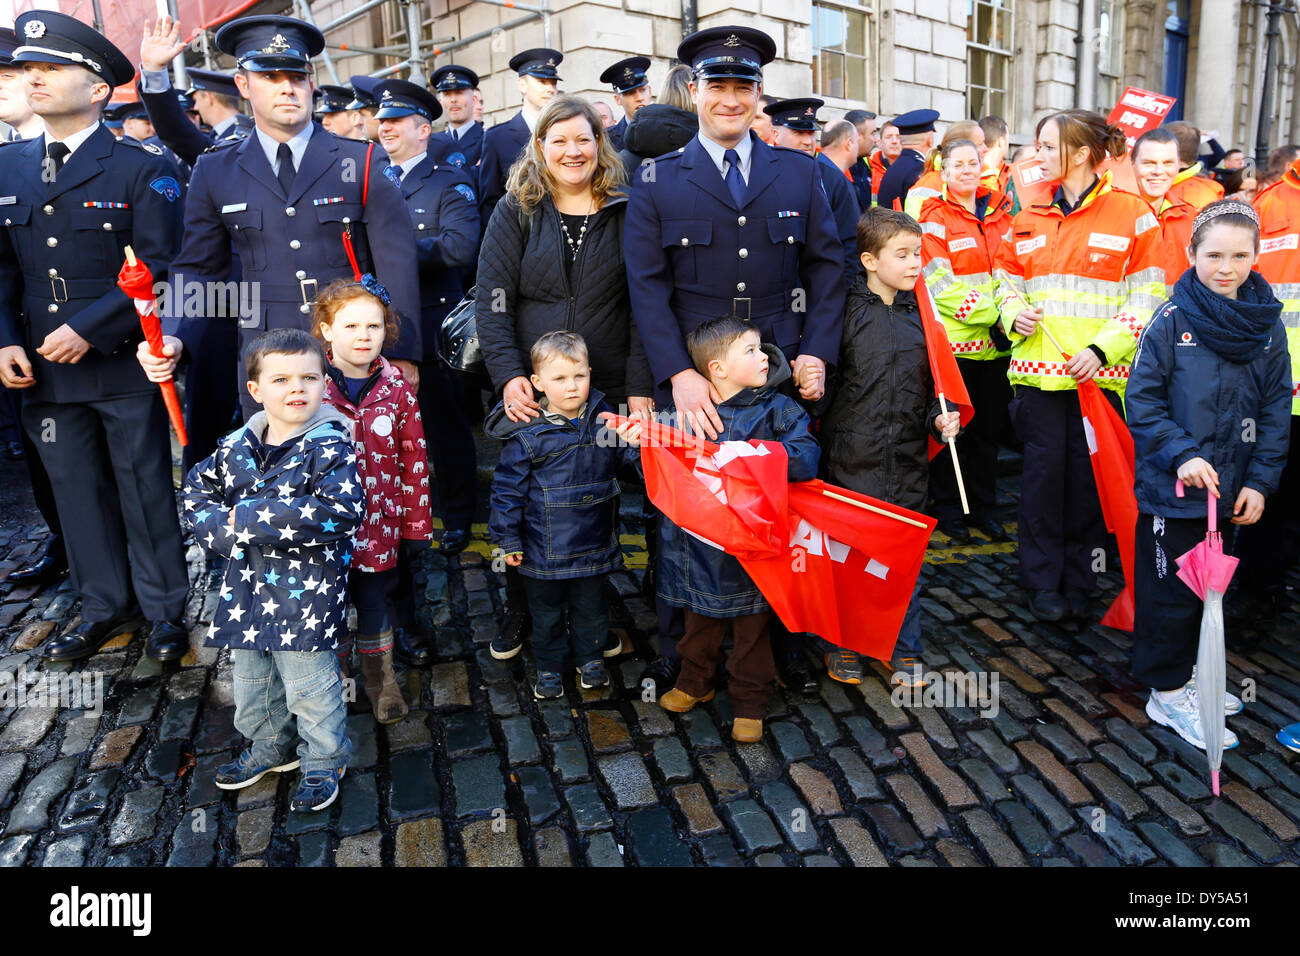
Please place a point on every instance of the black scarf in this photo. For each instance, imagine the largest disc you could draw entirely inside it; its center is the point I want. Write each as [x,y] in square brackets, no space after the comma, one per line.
[1235,329]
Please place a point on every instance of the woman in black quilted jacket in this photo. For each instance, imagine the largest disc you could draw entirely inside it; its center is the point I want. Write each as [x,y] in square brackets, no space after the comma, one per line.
[552,258]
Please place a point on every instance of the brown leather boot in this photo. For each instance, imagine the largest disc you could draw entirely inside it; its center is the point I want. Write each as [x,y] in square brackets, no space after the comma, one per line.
[386,699]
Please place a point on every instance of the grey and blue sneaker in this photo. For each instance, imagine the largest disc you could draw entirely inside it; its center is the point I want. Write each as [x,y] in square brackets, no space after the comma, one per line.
[593,674]
[1181,714]
[244,771]
[1231,703]
[317,790]
[1289,737]
[549,685]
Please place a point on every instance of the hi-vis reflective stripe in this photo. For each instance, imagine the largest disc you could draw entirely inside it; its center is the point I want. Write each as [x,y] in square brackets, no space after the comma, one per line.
[1058,368]
[1145,222]
[1295,389]
[934,229]
[968,304]
[978,345]
[1131,322]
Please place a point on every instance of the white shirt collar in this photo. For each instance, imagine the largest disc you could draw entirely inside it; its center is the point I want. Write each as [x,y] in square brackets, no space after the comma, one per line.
[411,163]
[73,141]
[744,150]
[297,147]
[531,120]
[221,128]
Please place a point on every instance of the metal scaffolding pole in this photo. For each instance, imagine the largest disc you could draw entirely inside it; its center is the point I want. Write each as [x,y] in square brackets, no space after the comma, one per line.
[304,8]
[465,41]
[413,39]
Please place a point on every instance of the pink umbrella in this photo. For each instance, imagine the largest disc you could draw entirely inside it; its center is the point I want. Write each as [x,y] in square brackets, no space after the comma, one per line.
[1207,571]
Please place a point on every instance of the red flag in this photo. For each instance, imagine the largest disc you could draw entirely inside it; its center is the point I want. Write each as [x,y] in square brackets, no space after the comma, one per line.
[943,366]
[1110,447]
[830,561]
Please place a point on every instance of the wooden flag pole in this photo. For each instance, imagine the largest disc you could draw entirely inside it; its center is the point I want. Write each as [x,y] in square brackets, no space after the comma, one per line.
[866,507]
[956,465]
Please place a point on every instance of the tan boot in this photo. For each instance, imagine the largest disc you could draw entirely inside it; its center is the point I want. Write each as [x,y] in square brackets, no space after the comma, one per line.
[386,699]
[680,702]
[747,730]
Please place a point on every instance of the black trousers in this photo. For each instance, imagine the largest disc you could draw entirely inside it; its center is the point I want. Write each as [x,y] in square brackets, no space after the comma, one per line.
[1269,548]
[1167,613]
[110,466]
[213,383]
[584,599]
[450,441]
[38,476]
[1061,525]
[990,393]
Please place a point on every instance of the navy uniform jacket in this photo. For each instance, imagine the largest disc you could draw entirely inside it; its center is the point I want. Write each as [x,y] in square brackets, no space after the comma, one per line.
[501,147]
[899,178]
[464,152]
[286,242]
[61,247]
[444,207]
[845,209]
[861,172]
[617,134]
[176,131]
[169,154]
[690,250]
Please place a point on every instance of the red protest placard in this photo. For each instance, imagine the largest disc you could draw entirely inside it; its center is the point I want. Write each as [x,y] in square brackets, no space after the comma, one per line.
[1140,110]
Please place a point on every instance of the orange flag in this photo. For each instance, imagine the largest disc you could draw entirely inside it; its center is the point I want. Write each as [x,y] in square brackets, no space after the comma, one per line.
[948,382]
[1110,448]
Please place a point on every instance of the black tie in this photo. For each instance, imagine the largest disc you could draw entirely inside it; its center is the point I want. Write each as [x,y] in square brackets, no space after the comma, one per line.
[58,153]
[285,175]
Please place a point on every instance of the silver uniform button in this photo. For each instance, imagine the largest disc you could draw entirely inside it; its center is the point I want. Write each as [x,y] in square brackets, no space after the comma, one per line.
[300,274]
[790,240]
[290,211]
[9,222]
[108,227]
[740,287]
[304,308]
[48,210]
[685,241]
[54,273]
[420,227]
[740,221]
[295,244]
[51,242]
[52,307]
[744,253]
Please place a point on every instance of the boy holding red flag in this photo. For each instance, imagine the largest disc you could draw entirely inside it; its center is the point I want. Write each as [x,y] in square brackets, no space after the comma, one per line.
[883,407]
[698,576]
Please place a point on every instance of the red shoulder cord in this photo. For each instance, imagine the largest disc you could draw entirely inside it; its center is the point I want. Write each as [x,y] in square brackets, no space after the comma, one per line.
[347,230]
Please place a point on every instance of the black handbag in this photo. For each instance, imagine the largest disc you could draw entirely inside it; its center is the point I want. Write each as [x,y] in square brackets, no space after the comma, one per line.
[458,344]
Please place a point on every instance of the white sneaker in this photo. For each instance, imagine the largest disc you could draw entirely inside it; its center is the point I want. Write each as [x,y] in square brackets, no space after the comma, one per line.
[1181,716]
[1231,704]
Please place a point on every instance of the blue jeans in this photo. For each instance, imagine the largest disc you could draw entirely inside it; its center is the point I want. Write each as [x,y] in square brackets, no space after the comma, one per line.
[584,599]
[287,696]
[909,635]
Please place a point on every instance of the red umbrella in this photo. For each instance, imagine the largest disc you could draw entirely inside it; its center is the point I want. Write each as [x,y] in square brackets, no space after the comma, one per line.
[1207,571]
[136,280]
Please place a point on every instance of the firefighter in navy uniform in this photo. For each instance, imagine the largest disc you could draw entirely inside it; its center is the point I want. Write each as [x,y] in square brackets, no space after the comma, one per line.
[730,225]
[631,91]
[365,105]
[917,132]
[299,203]
[77,197]
[444,209]
[332,111]
[537,82]
[461,143]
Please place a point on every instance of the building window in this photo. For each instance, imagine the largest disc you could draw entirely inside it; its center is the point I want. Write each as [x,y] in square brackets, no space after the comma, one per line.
[840,42]
[988,59]
[1110,55]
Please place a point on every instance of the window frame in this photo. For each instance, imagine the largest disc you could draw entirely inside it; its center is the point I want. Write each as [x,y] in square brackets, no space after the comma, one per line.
[1007,54]
[870,64]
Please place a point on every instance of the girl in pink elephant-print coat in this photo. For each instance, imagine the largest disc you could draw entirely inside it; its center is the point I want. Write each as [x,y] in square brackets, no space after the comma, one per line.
[355,322]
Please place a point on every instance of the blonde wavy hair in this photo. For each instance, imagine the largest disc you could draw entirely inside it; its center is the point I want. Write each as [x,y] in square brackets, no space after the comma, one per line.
[530,181]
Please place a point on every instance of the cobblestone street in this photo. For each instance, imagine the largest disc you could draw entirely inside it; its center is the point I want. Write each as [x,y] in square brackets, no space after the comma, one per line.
[1069,772]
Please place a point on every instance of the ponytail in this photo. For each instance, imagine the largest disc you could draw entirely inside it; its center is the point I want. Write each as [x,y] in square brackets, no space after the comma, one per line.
[1085,129]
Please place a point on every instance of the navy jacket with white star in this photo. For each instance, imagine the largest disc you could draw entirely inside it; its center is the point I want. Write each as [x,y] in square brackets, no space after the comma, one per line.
[296,507]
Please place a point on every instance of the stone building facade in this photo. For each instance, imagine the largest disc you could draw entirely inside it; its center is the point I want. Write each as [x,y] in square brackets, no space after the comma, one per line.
[1019,58]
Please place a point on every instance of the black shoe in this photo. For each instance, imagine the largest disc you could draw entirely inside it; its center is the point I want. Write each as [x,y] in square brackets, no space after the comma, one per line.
[662,672]
[411,647]
[956,531]
[1048,605]
[507,644]
[454,540]
[48,569]
[1080,605]
[989,526]
[168,641]
[88,637]
[14,451]
[793,673]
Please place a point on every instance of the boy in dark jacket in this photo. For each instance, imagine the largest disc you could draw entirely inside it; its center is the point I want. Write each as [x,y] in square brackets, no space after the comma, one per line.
[281,499]
[555,510]
[708,584]
[882,404]
[1209,404]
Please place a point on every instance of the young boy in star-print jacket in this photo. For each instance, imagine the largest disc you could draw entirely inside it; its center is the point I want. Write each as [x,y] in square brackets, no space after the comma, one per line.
[280,499]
